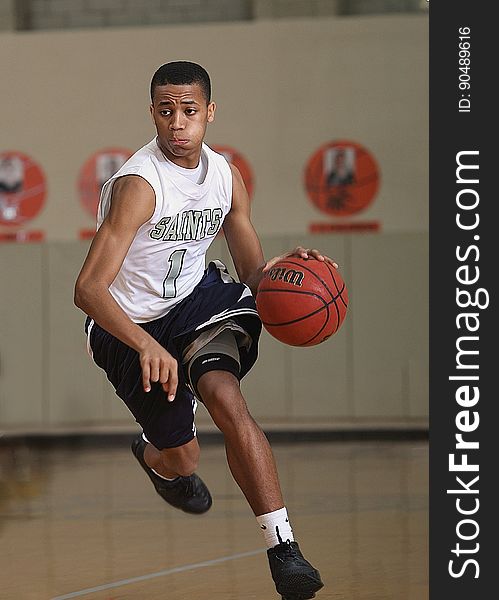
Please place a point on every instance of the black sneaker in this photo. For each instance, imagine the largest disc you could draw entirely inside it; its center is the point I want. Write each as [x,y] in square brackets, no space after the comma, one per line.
[190,494]
[294,577]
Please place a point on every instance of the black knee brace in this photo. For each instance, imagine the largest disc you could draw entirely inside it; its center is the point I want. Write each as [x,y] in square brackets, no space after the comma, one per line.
[214,361]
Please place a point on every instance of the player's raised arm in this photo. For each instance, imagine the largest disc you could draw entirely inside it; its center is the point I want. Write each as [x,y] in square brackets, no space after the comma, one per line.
[132,205]
[244,244]
[242,239]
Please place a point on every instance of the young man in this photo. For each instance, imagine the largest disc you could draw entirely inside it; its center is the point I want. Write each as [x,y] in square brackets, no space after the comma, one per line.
[167,331]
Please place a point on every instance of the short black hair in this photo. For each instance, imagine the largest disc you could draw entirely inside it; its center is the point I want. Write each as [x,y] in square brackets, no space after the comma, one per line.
[182,72]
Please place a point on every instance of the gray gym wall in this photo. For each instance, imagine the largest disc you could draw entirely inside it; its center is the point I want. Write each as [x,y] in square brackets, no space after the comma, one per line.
[284,88]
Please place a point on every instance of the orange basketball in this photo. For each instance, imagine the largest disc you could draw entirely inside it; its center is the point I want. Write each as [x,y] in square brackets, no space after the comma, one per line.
[302,302]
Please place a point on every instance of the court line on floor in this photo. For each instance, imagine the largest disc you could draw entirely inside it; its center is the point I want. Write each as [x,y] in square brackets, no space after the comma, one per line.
[200,565]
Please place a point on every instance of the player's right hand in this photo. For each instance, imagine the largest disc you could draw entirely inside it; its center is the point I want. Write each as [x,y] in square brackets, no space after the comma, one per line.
[302,253]
[158,364]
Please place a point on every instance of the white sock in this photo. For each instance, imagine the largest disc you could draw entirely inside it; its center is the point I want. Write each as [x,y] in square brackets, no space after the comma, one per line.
[155,472]
[162,476]
[276,527]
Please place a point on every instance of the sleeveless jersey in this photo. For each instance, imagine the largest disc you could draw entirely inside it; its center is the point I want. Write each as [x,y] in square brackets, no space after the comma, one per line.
[166,259]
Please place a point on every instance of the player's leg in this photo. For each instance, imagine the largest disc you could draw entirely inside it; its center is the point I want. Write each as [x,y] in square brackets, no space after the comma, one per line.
[171,471]
[249,455]
[168,450]
[173,462]
[252,464]
[214,374]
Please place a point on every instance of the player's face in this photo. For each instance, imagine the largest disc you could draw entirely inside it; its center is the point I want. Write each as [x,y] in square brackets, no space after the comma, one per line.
[181,115]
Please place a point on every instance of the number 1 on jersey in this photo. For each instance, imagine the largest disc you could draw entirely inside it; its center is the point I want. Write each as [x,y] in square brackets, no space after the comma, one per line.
[176,261]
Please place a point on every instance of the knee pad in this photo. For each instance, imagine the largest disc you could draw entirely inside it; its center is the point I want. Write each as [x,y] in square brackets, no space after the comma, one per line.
[220,354]
[212,361]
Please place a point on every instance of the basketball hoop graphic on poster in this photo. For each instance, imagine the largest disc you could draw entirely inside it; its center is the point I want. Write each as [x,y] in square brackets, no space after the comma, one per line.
[23,191]
[94,173]
[342,180]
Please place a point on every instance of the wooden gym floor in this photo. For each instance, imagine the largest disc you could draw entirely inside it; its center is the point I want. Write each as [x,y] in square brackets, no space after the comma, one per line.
[84,522]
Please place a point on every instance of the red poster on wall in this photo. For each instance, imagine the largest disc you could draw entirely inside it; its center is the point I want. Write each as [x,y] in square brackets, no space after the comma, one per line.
[342,179]
[96,171]
[238,160]
[93,175]
[23,190]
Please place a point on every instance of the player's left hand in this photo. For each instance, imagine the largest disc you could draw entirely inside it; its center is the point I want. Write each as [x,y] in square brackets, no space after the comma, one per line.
[302,252]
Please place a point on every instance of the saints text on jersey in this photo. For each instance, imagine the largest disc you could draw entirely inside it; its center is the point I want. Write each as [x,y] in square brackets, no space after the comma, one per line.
[188,225]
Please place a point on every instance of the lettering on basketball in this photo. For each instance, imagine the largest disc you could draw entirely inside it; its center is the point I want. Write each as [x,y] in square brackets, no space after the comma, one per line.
[188,225]
[291,276]
[302,302]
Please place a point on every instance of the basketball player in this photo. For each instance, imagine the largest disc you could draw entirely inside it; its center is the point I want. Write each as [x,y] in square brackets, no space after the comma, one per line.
[166,331]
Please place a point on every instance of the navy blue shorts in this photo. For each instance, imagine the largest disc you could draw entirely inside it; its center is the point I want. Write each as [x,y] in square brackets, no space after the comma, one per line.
[215,299]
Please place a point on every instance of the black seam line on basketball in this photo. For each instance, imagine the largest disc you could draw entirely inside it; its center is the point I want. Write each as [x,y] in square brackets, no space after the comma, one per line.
[312,272]
[336,286]
[325,322]
[318,310]
[322,328]
[325,305]
[302,319]
[302,292]
[337,318]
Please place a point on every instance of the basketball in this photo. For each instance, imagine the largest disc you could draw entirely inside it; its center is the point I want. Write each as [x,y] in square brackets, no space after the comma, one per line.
[302,302]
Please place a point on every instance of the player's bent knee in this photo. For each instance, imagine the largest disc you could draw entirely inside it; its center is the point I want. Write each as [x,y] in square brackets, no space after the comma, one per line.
[202,369]
[228,411]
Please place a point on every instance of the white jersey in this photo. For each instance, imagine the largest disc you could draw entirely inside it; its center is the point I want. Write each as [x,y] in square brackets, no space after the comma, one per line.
[166,259]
